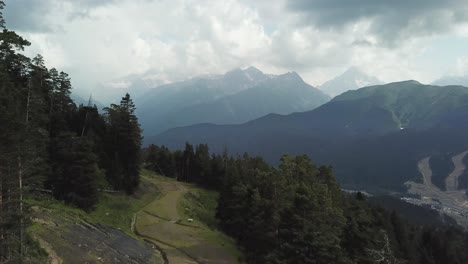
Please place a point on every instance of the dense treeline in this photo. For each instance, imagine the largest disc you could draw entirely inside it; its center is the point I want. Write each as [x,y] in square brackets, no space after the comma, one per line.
[47,142]
[193,164]
[297,213]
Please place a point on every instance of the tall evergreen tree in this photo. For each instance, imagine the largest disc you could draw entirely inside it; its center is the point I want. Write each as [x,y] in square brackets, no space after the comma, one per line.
[75,166]
[123,145]
[188,163]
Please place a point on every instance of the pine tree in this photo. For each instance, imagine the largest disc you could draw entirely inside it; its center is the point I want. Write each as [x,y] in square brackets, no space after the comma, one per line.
[188,163]
[201,166]
[75,167]
[123,146]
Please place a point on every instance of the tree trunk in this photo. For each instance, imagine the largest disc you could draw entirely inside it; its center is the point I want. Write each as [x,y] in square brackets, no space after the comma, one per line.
[28,101]
[20,185]
[85,121]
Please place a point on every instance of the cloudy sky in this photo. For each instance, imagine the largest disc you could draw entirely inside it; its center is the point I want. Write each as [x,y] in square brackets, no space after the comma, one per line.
[102,42]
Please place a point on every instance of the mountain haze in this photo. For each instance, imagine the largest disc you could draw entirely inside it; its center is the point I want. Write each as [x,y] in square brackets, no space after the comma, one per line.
[452,80]
[362,133]
[236,97]
[281,94]
[351,79]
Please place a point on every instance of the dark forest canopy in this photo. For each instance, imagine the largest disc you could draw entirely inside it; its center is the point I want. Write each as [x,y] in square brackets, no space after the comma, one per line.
[296,213]
[46,141]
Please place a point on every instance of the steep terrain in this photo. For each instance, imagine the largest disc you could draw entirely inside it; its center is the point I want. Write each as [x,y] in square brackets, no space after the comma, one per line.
[281,94]
[104,235]
[149,227]
[391,127]
[351,79]
[236,97]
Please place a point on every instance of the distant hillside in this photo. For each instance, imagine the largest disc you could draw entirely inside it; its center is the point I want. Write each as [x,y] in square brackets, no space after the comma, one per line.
[452,80]
[281,94]
[236,97]
[372,136]
[351,79]
[78,100]
[136,85]
[411,103]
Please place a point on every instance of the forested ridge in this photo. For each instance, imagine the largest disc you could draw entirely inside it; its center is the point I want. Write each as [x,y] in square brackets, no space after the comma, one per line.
[47,143]
[297,213]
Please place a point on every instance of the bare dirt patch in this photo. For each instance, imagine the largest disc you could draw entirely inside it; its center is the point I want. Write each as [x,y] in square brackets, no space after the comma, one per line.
[453,202]
[451,182]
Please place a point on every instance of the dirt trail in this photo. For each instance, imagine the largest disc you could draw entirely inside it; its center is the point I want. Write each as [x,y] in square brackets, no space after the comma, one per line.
[53,257]
[451,182]
[181,241]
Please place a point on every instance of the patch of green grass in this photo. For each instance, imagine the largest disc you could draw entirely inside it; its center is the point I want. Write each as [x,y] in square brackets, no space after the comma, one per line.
[113,209]
[201,205]
[35,228]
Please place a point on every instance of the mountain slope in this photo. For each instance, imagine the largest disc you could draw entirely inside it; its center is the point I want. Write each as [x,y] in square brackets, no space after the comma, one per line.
[452,80]
[147,227]
[360,132]
[236,97]
[79,100]
[411,103]
[282,94]
[351,79]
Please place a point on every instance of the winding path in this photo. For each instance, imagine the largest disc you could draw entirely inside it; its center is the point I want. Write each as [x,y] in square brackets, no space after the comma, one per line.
[180,241]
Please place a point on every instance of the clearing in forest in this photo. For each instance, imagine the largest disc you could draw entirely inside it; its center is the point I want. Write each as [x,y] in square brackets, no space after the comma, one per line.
[169,222]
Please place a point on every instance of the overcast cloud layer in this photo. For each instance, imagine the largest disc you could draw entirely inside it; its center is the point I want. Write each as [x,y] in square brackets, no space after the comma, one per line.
[101,42]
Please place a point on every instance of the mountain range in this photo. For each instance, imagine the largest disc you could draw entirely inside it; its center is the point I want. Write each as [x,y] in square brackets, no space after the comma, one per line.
[352,79]
[452,80]
[373,136]
[235,97]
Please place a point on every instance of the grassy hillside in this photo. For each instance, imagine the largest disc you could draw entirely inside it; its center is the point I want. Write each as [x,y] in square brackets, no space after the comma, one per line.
[410,102]
[70,235]
[184,227]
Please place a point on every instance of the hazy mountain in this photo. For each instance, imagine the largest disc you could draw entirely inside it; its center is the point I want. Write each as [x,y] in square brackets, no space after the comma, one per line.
[135,85]
[372,136]
[351,79]
[78,99]
[452,80]
[283,94]
[237,96]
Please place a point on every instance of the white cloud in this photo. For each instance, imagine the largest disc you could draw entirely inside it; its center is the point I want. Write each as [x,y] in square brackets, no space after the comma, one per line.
[100,43]
[461,67]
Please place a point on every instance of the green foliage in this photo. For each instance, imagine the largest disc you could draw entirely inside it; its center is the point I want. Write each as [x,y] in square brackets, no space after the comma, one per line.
[123,143]
[297,213]
[75,167]
[392,126]
[46,141]
[201,205]
[160,159]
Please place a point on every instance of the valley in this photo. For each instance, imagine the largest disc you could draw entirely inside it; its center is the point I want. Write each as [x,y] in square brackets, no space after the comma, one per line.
[453,201]
[143,132]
